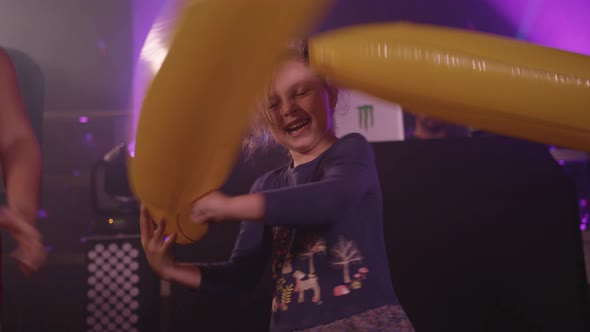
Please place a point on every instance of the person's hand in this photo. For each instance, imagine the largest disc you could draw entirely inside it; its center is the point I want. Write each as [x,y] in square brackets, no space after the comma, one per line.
[157,247]
[30,251]
[212,207]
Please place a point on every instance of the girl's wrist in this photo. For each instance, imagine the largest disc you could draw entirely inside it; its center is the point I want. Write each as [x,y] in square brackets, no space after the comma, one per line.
[246,207]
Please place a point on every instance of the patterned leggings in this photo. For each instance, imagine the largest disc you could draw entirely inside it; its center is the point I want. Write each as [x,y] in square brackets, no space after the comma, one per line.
[387,318]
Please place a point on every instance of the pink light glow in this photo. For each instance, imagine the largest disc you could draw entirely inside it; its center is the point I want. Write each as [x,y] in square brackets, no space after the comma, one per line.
[150,24]
[561,24]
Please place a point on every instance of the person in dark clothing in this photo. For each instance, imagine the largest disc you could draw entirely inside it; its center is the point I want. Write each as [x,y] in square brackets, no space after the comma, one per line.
[318,220]
[426,127]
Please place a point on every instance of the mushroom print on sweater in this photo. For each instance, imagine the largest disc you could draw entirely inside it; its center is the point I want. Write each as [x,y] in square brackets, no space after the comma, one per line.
[344,254]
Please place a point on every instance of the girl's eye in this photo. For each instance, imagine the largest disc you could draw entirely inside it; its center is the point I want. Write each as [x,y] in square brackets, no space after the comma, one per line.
[301,93]
[272,106]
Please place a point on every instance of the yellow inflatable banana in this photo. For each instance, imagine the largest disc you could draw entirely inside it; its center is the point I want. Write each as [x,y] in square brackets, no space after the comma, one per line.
[198,105]
[493,83]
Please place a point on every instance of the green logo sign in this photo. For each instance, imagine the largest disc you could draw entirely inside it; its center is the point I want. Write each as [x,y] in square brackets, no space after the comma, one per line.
[365,116]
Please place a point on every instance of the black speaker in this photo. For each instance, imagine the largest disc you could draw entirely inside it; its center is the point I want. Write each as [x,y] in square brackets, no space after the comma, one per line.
[122,293]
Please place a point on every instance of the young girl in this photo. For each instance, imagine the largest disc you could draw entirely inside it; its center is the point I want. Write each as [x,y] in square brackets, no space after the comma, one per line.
[319,219]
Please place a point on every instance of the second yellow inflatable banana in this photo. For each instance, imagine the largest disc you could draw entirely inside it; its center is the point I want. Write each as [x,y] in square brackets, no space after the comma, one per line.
[493,83]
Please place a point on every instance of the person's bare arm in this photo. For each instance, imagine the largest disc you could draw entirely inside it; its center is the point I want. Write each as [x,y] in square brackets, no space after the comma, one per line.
[20,154]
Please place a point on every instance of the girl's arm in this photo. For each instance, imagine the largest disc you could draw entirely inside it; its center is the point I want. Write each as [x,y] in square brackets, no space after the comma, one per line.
[240,273]
[348,174]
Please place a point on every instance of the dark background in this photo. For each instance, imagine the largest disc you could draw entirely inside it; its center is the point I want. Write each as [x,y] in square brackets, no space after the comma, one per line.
[85,50]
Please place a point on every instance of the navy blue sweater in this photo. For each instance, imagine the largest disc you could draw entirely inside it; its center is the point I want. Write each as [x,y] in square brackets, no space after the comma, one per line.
[323,232]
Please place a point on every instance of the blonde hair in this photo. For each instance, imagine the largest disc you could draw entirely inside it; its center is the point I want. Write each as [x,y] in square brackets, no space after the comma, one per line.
[259,136]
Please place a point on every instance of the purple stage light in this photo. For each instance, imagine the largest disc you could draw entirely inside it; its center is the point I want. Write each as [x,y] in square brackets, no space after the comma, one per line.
[560,24]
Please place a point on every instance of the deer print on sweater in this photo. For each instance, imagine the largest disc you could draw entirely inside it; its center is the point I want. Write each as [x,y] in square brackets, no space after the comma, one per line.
[302,285]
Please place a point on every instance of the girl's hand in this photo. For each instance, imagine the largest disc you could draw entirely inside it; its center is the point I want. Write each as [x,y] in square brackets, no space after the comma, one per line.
[157,247]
